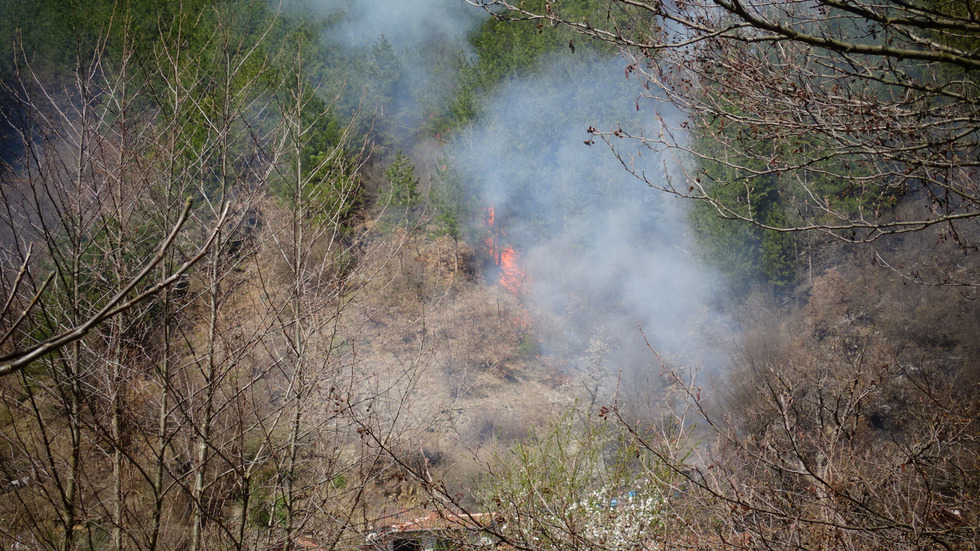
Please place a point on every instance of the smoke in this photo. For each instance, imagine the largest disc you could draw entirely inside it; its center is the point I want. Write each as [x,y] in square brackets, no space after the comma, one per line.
[407,24]
[403,53]
[604,255]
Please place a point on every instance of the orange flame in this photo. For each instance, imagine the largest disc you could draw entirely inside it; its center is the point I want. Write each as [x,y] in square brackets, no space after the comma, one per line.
[512,277]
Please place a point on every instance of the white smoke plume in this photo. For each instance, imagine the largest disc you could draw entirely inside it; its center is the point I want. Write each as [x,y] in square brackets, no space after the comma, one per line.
[406,52]
[603,253]
[406,23]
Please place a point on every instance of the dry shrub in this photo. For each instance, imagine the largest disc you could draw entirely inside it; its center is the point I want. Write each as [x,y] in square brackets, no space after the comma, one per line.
[498,425]
[478,332]
[832,436]
[448,262]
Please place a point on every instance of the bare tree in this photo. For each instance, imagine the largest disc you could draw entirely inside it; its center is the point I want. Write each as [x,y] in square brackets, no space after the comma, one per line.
[100,262]
[818,455]
[308,272]
[192,373]
[84,264]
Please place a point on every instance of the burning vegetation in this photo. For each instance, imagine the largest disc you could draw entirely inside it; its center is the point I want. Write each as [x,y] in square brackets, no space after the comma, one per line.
[510,273]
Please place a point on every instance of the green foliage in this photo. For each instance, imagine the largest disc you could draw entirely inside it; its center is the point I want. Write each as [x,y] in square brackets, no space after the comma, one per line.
[747,254]
[403,186]
[450,199]
[507,50]
[263,512]
[386,70]
[386,85]
[528,347]
[328,183]
[510,49]
[52,32]
[755,173]
[731,246]
[582,484]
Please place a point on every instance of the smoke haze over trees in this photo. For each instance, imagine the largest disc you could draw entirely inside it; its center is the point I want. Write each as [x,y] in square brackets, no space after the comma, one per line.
[626,274]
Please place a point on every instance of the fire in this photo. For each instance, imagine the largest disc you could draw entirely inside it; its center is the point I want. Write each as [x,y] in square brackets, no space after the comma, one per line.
[512,277]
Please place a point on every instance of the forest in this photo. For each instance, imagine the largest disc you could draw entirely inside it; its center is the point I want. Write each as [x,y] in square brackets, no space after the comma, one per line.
[604,275]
